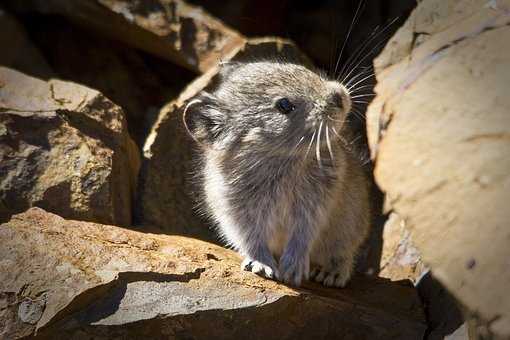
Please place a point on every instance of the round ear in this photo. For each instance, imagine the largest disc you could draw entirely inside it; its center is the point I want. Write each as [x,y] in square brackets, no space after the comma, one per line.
[189,115]
[202,120]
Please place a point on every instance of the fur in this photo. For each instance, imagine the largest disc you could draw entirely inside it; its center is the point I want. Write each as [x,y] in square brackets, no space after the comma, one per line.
[283,188]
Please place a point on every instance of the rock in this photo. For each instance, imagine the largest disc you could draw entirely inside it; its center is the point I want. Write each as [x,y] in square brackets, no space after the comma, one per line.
[170,29]
[18,52]
[100,281]
[400,260]
[439,132]
[122,74]
[165,195]
[64,147]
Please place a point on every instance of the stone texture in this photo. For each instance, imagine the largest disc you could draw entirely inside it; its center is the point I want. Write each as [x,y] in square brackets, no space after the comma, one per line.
[18,52]
[104,282]
[166,197]
[170,29]
[400,260]
[131,79]
[439,133]
[64,147]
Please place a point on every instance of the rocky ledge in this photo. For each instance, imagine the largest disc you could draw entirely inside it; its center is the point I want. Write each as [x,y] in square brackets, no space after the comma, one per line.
[82,279]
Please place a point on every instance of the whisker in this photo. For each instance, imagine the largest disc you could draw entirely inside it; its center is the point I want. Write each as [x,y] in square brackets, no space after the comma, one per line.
[335,120]
[357,52]
[360,102]
[297,145]
[310,144]
[363,95]
[362,80]
[335,132]
[357,76]
[371,51]
[353,22]
[358,115]
[359,88]
[318,146]
[328,142]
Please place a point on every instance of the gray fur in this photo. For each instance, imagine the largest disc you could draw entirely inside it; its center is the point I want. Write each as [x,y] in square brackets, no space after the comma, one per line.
[292,207]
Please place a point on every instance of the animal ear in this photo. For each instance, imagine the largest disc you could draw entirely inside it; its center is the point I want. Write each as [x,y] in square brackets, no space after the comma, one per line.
[202,119]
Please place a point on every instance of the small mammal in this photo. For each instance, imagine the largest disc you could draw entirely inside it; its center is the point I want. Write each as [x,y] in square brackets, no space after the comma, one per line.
[283,189]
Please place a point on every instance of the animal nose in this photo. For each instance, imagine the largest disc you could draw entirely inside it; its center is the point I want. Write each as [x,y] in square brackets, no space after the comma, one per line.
[336,100]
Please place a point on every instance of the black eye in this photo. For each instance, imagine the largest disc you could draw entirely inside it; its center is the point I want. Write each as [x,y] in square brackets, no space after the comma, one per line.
[285,106]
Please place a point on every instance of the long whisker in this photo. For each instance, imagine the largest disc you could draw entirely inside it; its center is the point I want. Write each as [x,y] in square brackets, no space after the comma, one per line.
[335,132]
[318,146]
[329,143]
[357,76]
[360,81]
[297,145]
[363,95]
[371,51]
[353,22]
[360,102]
[362,87]
[358,64]
[336,120]
[310,144]
[358,115]
[358,51]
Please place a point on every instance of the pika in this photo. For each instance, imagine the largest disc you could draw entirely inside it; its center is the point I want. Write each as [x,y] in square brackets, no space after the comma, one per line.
[276,177]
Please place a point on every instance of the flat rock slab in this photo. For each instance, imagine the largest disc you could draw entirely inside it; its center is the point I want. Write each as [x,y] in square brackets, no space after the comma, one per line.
[439,131]
[64,147]
[84,280]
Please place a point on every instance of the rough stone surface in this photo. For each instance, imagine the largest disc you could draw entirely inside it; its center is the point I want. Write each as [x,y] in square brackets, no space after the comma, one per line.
[138,83]
[104,282]
[65,148]
[166,196]
[439,133]
[170,29]
[400,260]
[18,52]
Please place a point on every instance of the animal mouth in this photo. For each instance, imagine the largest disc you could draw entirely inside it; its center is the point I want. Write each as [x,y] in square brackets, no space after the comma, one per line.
[321,138]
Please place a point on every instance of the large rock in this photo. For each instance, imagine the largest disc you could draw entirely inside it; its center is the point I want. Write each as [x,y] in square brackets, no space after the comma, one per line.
[131,79]
[65,148]
[166,195]
[83,280]
[439,132]
[170,29]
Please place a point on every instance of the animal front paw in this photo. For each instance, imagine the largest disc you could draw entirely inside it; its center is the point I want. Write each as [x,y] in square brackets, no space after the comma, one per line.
[293,269]
[265,270]
[334,278]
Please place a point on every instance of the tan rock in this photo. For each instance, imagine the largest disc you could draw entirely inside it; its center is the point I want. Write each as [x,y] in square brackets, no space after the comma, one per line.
[80,279]
[64,147]
[400,260]
[166,195]
[170,29]
[439,133]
